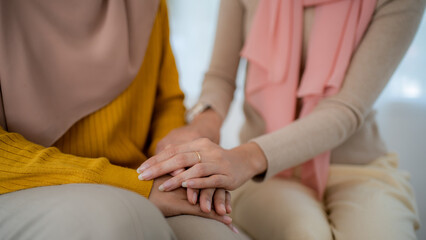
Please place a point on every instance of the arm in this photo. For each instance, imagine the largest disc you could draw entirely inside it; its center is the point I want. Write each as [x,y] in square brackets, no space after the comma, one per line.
[219,82]
[338,117]
[26,165]
[333,121]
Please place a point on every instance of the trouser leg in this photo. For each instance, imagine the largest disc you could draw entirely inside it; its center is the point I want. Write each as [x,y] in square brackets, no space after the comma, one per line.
[80,211]
[372,201]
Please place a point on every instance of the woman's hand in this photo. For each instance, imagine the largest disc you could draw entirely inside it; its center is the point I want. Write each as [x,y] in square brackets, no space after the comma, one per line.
[175,203]
[205,125]
[210,166]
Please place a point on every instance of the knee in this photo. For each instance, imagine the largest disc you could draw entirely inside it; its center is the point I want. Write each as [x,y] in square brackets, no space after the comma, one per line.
[89,211]
[380,214]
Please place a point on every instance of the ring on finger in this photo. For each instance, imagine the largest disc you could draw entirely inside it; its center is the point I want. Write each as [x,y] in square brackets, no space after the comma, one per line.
[198,156]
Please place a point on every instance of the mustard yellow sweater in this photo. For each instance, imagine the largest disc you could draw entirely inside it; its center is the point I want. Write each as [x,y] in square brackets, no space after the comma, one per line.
[106,146]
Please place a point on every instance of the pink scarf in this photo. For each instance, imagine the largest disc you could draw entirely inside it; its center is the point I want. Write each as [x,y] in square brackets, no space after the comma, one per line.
[273,49]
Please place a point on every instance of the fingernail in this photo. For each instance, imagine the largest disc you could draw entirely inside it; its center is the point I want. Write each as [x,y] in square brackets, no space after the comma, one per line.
[161,188]
[145,175]
[142,168]
[184,184]
[209,206]
[229,209]
[166,185]
[227,219]
[194,198]
[223,207]
[235,229]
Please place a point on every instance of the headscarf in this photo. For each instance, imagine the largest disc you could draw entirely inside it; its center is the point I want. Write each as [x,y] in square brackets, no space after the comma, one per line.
[64,59]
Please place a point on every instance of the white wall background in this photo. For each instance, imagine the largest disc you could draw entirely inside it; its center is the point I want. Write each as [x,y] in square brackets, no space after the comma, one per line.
[402,106]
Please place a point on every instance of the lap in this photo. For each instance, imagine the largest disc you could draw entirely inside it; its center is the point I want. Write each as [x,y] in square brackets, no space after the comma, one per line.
[280,209]
[80,211]
[372,201]
[193,227]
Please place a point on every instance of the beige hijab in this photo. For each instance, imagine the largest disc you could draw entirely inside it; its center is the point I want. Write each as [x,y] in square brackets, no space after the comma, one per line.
[62,60]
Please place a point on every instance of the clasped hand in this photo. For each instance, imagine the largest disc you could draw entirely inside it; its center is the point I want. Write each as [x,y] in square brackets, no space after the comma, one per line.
[218,168]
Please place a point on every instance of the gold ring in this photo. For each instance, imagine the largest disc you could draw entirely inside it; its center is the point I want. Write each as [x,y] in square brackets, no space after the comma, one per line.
[199,156]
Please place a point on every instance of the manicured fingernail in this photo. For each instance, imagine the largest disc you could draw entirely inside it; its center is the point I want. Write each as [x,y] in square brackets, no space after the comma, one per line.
[145,175]
[161,188]
[184,184]
[209,206]
[142,168]
[194,198]
[227,219]
[235,229]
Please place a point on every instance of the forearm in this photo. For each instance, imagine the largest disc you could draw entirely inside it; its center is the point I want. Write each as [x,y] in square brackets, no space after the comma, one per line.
[337,118]
[219,82]
[26,165]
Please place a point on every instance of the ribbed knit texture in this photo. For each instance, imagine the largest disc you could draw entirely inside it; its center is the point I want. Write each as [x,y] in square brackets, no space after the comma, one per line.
[106,146]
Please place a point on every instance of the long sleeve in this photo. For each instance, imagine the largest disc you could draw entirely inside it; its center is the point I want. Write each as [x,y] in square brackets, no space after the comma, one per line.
[169,110]
[219,82]
[338,117]
[26,165]
[106,146]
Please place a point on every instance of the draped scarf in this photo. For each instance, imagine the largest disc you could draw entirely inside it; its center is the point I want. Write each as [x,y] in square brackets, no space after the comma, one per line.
[273,50]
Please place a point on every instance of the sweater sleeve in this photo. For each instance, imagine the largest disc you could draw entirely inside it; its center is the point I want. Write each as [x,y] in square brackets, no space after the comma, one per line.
[169,110]
[219,82]
[24,164]
[336,118]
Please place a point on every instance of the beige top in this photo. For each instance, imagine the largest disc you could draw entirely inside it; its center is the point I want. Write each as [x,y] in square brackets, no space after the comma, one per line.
[345,122]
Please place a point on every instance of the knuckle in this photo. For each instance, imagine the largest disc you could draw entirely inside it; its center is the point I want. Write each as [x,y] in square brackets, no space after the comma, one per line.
[171,151]
[179,160]
[219,181]
[206,194]
[201,169]
[204,141]
[157,168]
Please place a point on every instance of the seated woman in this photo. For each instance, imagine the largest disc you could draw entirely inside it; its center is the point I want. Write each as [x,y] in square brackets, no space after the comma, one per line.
[87,91]
[315,69]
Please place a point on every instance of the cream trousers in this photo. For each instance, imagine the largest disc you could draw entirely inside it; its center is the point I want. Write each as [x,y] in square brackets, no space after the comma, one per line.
[373,201]
[94,211]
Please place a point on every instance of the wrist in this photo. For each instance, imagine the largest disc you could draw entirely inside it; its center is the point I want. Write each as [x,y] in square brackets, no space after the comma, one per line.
[253,157]
[208,124]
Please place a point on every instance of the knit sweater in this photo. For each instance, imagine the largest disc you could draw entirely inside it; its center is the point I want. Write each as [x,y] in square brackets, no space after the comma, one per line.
[106,146]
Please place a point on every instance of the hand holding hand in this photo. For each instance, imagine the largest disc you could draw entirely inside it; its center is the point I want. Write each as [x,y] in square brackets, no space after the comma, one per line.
[218,168]
[175,203]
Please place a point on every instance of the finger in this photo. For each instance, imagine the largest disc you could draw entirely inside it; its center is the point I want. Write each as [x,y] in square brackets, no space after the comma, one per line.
[196,171]
[176,172]
[192,195]
[214,181]
[169,152]
[206,199]
[195,210]
[233,228]
[227,202]
[219,201]
[176,162]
